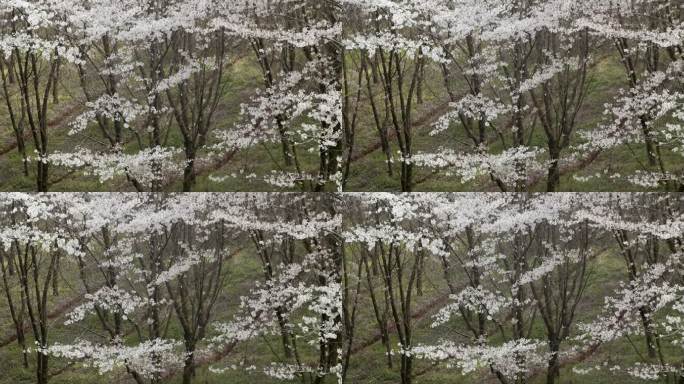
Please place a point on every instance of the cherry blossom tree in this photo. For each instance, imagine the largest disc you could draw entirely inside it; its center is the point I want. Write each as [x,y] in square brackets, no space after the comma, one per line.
[31,56]
[33,247]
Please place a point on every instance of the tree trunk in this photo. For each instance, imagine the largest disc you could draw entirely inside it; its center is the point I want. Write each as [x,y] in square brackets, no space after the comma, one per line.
[189,364]
[553,177]
[55,91]
[189,176]
[55,281]
[42,175]
[284,141]
[406,368]
[284,334]
[648,332]
[21,340]
[41,368]
[553,370]
[406,176]
[21,146]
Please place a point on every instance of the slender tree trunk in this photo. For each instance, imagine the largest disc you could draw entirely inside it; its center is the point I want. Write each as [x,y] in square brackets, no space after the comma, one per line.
[553,369]
[406,369]
[648,332]
[189,176]
[42,175]
[284,334]
[189,363]
[55,91]
[553,177]
[406,176]
[42,371]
